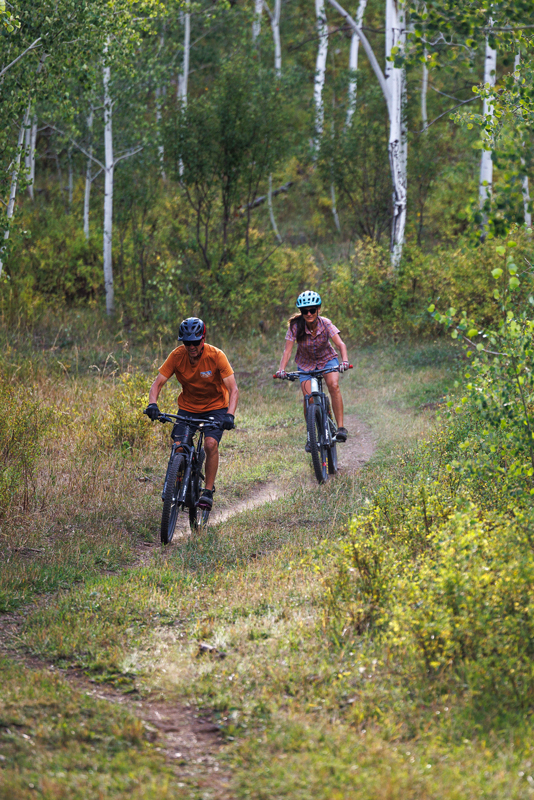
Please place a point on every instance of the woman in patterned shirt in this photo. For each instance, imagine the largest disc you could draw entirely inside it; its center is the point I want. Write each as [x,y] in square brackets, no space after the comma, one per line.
[312,334]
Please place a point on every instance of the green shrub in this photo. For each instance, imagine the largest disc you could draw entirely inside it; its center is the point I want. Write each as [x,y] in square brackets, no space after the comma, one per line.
[24,423]
[468,605]
[439,569]
[124,424]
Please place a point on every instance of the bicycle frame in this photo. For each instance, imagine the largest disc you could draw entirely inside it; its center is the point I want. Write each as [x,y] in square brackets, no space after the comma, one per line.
[320,398]
[187,448]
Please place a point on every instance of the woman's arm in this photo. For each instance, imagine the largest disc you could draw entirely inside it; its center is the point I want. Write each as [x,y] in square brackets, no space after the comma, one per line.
[340,344]
[286,355]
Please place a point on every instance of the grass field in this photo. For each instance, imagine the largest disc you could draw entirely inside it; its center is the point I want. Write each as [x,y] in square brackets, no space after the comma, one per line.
[232,622]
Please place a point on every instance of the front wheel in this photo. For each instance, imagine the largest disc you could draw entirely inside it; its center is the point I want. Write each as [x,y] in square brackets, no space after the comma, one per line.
[316,440]
[173,485]
[198,517]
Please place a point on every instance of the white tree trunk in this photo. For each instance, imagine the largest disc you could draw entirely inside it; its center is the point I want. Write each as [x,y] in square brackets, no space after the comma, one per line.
[108,188]
[88,179]
[524,182]
[486,164]
[256,23]
[353,64]
[271,212]
[424,92]
[274,17]
[320,71]
[14,181]
[184,75]
[160,92]
[30,139]
[398,140]
[71,180]
[393,85]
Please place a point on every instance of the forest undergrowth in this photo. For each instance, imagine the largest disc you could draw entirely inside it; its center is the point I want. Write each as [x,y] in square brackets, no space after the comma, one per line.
[371,635]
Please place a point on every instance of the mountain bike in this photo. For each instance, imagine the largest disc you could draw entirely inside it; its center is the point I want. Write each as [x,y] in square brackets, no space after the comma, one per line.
[182,487]
[320,423]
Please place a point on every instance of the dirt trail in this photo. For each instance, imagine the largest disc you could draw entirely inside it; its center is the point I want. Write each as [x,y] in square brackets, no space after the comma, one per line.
[352,455]
[190,741]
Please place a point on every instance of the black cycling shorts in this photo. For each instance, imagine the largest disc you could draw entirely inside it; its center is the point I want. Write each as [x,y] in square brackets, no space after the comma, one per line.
[206,416]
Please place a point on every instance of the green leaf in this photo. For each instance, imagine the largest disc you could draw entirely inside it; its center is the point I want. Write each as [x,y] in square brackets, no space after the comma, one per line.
[500,250]
[431,308]
[454,334]
[472,332]
[514,283]
[511,244]
[496,273]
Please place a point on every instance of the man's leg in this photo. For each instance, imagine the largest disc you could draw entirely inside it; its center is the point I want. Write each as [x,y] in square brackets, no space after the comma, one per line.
[211,446]
[332,381]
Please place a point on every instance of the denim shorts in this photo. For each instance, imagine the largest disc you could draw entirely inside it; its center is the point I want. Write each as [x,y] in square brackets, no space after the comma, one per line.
[305,376]
[216,416]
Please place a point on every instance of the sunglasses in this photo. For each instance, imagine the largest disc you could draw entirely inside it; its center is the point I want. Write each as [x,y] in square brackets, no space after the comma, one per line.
[309,310]
[192,344]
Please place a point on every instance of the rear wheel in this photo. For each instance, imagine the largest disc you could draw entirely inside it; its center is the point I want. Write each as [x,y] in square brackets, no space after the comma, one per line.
[173,485]
[316,440]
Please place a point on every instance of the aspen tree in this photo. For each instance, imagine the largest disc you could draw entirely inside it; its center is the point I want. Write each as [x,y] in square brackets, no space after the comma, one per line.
[524,179]
[393,85]
[485,183]
[353,64]
[320,70]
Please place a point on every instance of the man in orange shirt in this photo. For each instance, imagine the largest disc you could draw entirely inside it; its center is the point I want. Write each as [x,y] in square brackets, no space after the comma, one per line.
[209,392]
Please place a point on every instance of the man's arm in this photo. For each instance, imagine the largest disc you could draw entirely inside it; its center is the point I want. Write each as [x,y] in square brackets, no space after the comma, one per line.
[156,388]
[231,385]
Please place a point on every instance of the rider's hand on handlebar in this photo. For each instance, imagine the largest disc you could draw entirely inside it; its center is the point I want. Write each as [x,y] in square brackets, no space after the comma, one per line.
[344,366]
[281,374]
[228,422]
[152,411]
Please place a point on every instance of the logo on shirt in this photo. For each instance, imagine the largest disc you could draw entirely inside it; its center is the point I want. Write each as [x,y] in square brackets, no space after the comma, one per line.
[206,374]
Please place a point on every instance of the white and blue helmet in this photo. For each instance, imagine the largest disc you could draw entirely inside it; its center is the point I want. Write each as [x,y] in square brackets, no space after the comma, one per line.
[306,299]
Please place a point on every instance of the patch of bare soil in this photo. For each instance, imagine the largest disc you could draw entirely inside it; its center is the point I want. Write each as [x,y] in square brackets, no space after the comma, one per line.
[359,447]
[190,740]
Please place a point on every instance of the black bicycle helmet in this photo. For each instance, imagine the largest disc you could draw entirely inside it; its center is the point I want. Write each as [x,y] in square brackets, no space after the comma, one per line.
[308,298]
[192,329]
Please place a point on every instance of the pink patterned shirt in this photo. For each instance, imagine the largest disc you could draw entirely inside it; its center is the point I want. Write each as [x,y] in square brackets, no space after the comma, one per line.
[315,351]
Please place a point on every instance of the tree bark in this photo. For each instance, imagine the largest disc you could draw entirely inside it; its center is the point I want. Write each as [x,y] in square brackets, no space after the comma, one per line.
[424,92]
[486,164]
[353,65]
[184,75]
[160,92]
[183,78]
[271,212]
[30,139]
[320,71]
[88,179]
[398,141]
[393,85]
[108,187]
[525,191]
[256,23]
[14,181]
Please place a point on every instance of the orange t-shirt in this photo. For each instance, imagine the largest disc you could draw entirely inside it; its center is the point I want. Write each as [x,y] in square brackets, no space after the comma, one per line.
[202,385]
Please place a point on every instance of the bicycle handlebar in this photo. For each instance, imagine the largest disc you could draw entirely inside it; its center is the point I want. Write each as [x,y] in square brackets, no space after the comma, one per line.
[197,423]
[293,376]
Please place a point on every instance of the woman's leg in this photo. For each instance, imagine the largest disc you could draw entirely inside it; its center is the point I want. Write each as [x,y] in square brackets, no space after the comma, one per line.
[332,381]
[306,389]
